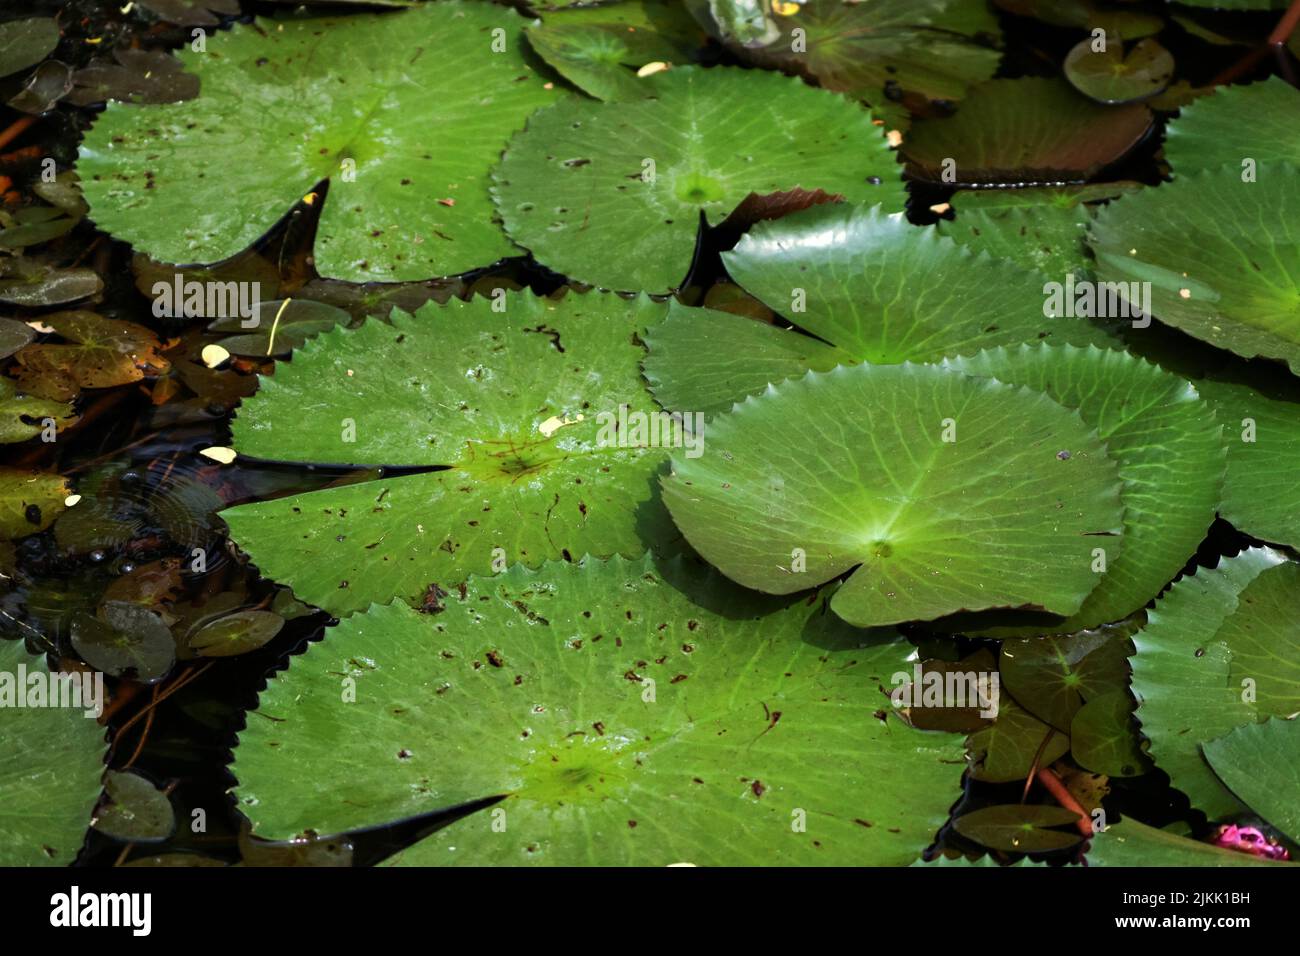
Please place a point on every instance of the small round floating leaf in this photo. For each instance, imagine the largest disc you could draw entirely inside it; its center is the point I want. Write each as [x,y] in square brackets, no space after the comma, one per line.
[1019,828]
[585,178]
[236,633]
[52,759]
[128,641]
[944,492]
[1117,76]
[538,686]
[1024,130]
[285,104]
[470,389]
[136,811]
[1260,763]
[1221,254]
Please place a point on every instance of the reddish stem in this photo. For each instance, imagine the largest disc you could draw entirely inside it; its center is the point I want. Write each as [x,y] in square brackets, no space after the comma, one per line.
[1063,796]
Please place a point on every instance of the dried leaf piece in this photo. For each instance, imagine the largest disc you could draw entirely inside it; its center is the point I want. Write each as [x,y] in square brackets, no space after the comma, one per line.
[101,353]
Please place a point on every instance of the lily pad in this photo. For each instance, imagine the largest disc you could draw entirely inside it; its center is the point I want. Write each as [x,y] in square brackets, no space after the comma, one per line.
[98,353]
[1263,439]
[1170,451]
[1051,677]
[278,327]
[1209,134]
[866,282]
[585,178]
[33,284]
[513,405]
[127,640]
[25,43]
[593,698]
[349,101]
[944,492]
[1041,228]
[136,811]
[1018,828]
[29,501]
[1183,670]
[1130,843]
[600,49]
[236,633]
[1013,745]
[1102,736]
[24,416]
[52,759]
[1220,254]
[1118,76]
[1260,763]
[885,48]
[1023,131]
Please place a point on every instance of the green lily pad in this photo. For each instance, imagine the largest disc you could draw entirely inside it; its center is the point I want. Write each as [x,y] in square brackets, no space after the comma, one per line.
[1263,439]
[744,22]
[1024,130]
[1130,843]
[25,43]
[1260,763]
[350,101]
[1041,228]
[599,49]
[97,353]
[888,46]
[1102,736]
[491,397]
[29,501]
[1220,255]
[278,327]
[126,640]
[1115,76]
[1051,677]
[52,759]
[598,699]
[1182,673]
[1170,451]
[1017,828]
[23,416]
[34,284]
[1209,133]
[1013,745]
[944,492]
[1118,24]
[136,811]
[687,371]
[236,633]
[585,178]
[876,288]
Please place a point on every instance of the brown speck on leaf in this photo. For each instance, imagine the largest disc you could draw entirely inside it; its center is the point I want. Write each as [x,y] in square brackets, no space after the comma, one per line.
[495,659]
[758,788]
